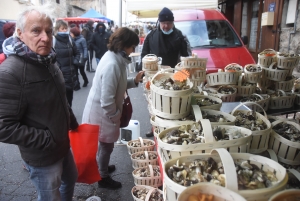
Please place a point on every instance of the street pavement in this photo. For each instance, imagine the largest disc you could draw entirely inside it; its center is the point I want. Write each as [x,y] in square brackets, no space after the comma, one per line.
[15,184]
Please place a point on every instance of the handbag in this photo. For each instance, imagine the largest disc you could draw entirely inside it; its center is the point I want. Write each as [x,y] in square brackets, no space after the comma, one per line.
[126,112]
[84,144]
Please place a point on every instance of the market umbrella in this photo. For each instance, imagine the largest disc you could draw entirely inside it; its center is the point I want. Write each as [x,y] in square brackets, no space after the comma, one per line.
[94,14]
[79,20]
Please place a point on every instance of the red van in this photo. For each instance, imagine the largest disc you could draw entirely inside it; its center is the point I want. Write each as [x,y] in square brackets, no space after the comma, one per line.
[212,36]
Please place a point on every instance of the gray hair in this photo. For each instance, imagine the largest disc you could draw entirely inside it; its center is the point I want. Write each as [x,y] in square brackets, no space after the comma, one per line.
[45,11]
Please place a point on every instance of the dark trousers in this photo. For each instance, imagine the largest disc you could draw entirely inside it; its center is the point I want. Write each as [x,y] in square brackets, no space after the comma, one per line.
[82,73]
[88,64]
[103,157]
[69,95]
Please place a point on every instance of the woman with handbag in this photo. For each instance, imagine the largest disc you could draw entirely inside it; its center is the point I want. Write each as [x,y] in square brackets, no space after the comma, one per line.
[82,47]
[105,100]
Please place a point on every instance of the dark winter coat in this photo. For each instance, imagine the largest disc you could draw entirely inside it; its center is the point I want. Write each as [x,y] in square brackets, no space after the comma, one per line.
[66,53]
[87,33]
[168,47]
[34,112]
[99,41]
[81,46]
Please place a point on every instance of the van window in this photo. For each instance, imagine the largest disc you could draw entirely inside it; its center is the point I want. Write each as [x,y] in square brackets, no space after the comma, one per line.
[209,33]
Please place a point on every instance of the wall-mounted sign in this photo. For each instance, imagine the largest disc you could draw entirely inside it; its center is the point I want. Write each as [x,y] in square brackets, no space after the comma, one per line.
[272,7]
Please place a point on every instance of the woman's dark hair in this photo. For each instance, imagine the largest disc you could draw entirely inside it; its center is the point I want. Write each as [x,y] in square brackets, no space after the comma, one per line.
[122,37]
[75,31]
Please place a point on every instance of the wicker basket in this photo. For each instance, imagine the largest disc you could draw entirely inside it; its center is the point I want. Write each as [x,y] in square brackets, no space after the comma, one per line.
[222,78]
[154,181]
[297,99]
[147,198]
[193,62]
[266,57]
[285,85]
[288,152]
[132,150]
[263,84]
[174,189]
[252,77]
[285,101]
[171,151]
[197,74]
[234,67]
[198,97]
[150,62]
[170,104]
[274,74]
[220,193]
[288,195]
[263,102]
[245,90]
[260,139]
[198,115]
[138,163]
[287,61]
[227,97]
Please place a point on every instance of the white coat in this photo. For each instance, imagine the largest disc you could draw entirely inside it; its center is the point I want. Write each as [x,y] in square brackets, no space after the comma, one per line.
[105,100]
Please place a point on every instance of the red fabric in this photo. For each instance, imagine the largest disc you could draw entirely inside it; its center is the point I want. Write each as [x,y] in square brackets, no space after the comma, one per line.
[84,144]
[142,40]
[2,57]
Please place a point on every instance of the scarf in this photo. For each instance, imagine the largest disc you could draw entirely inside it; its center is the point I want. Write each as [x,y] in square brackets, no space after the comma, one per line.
[23,50]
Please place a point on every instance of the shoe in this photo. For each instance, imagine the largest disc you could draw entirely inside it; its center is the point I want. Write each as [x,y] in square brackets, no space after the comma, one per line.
[108,182]
[93,198]
[149,134]
[92,70]
[111,168]
[85,84]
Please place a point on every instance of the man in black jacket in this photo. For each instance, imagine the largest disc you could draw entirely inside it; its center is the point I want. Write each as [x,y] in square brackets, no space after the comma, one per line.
[87,33]
[166,42]
[99,41]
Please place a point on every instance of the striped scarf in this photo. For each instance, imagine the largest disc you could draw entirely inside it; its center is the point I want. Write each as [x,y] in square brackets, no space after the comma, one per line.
[23,50]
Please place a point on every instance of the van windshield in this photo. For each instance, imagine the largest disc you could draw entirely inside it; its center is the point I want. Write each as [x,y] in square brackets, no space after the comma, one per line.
[209,33]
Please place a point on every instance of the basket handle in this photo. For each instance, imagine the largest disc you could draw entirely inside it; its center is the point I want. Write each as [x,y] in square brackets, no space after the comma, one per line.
[240,80]
[146,155]
[229,168]
[272,154]
[142,142]
[151,55]
[204,93]
[149,193]
[281,91]
[248,103]
[255,94]
[272,64]
[151,170]
[295,173]
[276,122]
[197,112]
[207,130]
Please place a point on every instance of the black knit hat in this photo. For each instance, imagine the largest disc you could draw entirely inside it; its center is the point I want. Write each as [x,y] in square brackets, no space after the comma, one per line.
[165,15]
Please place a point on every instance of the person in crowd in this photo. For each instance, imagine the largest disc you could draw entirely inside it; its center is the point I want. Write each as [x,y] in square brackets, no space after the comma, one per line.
[66,55]
[105,99]
[8,30]
[166,42]
[87,33]
[109,30]
[82,47]
[35,114]
[99,41]
[72,25]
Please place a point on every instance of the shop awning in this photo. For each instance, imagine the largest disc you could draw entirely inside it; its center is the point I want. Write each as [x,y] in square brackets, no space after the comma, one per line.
[144,9]
[79,20]
[94,14]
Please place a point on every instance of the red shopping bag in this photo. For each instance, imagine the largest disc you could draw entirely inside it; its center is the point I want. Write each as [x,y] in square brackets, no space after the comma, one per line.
[84,144]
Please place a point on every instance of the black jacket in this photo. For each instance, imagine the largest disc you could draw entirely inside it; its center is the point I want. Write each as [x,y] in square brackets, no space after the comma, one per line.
[34,112]
[99,41]
[87,33]
[168,47]
[66,53]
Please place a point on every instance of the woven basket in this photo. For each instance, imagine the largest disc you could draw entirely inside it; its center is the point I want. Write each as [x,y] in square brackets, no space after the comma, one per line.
[266,57]
[150,62]
[220,193]
[285,85]
[288,152]
[147,198]
[171,151]
[132,150]
[138,163]
[154,181]
[285,101]
[244,90]
[199,97]
[252,77]
[263,84]
[287,62]
[227,159]
[234,67]
[170,104]
[222,78]
[263,102]
[274,74]
[198,115]
[227,97]
[260,139]
[193,62]
[297,99]
[289,195]
[197,74]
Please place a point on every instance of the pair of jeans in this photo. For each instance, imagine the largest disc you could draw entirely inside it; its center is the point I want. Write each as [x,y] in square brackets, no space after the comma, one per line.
[97,61]
[55,182]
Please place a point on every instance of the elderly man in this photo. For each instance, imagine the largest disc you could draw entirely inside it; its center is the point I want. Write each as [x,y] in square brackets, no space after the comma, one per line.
[34,112]
[166,42]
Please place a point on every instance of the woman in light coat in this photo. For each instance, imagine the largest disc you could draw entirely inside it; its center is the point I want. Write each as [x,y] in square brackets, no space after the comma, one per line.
[105,99]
